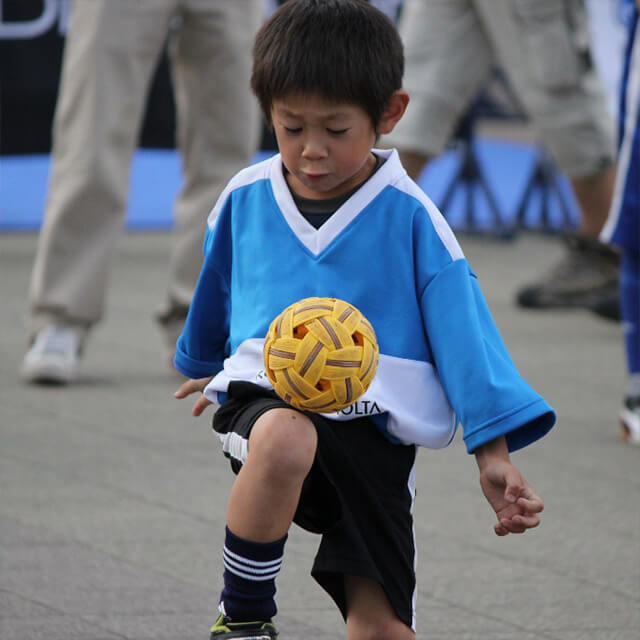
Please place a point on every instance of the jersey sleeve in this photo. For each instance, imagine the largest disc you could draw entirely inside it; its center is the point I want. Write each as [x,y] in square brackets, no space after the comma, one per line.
[203,345]
[484,388]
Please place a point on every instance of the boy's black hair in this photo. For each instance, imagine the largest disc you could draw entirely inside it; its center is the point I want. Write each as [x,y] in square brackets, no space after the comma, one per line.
[341,50]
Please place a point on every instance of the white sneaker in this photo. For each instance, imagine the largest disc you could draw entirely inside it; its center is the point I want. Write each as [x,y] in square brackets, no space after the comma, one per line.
[630,420]
[53,356]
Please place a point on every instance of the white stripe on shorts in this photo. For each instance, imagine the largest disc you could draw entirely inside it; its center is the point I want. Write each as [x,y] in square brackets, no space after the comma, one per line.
[234,445]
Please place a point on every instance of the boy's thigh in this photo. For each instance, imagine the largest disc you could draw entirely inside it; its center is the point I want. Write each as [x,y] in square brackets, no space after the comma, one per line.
[448,58]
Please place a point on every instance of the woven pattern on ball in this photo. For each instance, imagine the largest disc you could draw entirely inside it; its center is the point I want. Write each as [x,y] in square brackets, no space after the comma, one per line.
[320,354]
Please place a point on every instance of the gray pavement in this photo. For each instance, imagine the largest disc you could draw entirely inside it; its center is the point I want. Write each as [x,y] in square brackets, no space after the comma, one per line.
[113,497]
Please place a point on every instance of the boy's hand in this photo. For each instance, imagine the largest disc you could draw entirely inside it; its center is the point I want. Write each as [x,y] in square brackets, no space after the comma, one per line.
[516,504]
[193,386]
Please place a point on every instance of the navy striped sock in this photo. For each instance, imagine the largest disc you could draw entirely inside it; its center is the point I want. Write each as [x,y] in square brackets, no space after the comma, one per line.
[250,570]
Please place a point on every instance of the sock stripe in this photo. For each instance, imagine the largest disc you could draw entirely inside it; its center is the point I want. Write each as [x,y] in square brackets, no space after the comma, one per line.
[252,563]
[249,576]
[255,577]
[236,567]
[251,570]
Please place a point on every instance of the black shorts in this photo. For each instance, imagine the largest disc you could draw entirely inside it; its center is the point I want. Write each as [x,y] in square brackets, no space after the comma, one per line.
[358,495]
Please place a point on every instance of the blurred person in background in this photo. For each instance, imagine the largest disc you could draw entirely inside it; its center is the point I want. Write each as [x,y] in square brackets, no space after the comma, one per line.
[451,46]
[623,225]
[110,55]
[389,7]
[608,34]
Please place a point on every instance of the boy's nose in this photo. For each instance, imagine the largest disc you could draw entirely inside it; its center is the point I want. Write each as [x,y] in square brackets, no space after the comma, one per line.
[313,149]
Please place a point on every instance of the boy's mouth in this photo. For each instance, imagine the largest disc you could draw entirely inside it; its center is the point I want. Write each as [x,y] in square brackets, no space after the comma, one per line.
[315,176]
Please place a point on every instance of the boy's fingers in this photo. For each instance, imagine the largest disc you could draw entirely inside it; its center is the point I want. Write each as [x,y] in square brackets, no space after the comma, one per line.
[187,388]
[200,406]
[513,526]
[514,488]
[519,523]
[183,390]
[531,505]
[520,493]
[528,522]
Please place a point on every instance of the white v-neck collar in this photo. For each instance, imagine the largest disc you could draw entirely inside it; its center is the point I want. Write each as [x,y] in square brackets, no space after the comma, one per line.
[317,240]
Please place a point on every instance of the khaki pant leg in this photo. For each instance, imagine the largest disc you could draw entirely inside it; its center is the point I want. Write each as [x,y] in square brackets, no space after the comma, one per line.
[448,59]
[218,121]
[543,46]
[110,53]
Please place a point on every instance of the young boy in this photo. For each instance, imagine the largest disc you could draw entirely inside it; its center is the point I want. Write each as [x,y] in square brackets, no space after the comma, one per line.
[331,216]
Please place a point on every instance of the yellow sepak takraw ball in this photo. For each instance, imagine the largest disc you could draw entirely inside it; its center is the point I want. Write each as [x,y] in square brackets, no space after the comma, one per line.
[321,354]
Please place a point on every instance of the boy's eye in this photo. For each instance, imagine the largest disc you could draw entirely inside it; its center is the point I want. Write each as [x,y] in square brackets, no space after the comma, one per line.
[337,132]
[293,129]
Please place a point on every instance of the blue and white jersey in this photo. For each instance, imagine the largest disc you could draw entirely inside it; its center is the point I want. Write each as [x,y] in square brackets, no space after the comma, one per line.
[388,251]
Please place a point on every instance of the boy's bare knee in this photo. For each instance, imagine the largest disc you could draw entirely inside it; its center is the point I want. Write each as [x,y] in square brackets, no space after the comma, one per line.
[286,441]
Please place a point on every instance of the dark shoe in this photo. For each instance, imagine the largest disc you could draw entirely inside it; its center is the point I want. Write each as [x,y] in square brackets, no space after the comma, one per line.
[587,275]
[224,629]
[608,307]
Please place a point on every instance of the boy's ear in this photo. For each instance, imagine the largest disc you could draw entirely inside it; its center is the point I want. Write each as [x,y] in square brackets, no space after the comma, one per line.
[394,110]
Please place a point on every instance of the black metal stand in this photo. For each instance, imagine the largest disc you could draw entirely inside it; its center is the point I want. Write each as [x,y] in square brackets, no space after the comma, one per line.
[469,175]
[544,179]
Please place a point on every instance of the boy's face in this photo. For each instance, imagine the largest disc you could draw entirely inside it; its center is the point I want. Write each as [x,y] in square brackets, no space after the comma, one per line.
[325,146]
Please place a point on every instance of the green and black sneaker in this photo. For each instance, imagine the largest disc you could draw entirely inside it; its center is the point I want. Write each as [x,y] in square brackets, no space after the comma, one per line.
[224,629]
